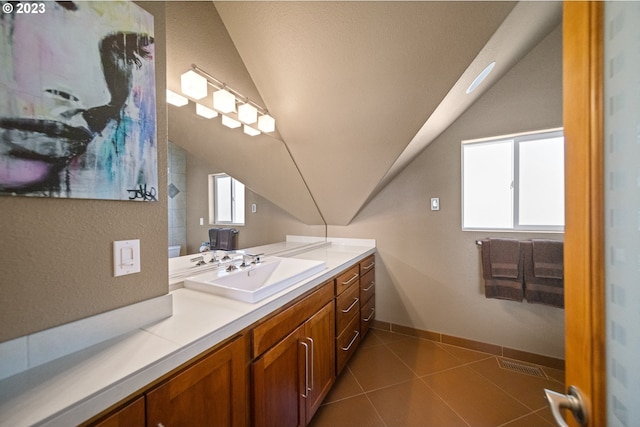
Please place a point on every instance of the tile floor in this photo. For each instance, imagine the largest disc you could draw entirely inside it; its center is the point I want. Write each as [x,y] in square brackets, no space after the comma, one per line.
[395,380]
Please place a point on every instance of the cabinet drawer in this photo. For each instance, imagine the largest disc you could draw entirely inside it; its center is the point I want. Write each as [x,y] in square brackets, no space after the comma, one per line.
[347,306]
[367,264]
[347,279]
[347,343]
[367,314]
[280,325]
[367,286]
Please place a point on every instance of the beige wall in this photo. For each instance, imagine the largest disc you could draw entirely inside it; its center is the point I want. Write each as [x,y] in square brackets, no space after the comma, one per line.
[57,254]
[428,270]
[269,224]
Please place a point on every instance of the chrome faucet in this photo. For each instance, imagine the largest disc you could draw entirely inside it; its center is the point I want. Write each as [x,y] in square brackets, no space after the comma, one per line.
[199,260]
[251,258]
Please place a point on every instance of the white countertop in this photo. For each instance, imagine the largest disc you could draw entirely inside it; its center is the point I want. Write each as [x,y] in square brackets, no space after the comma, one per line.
[72,389]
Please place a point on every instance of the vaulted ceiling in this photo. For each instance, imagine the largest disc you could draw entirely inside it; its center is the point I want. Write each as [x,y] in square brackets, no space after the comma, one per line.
[358,89]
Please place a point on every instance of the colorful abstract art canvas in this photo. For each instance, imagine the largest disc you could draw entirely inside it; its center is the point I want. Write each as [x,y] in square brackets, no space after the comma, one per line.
[78,101]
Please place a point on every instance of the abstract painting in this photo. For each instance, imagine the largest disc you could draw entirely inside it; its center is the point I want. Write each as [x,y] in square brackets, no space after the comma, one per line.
[78,101]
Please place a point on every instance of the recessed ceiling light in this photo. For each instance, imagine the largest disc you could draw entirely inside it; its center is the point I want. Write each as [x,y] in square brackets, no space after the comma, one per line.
[483,75]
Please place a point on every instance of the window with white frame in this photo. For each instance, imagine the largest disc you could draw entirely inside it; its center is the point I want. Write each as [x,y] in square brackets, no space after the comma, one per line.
[514,183]
[226,205]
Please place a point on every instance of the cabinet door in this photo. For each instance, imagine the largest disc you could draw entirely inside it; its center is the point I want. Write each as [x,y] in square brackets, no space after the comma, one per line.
[212,392]
[280,378]
[131,415]
[319,332]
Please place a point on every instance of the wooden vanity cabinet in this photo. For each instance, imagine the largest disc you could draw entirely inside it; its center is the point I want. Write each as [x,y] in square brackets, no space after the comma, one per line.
[276,373]
[132,415]
[211,391]
[367,293]
[291,378]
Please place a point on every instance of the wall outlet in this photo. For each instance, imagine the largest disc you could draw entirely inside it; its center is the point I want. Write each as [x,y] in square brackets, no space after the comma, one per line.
[254,208]
[435,203]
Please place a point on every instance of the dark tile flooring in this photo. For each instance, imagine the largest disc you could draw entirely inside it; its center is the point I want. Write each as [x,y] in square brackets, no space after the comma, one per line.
[395,380]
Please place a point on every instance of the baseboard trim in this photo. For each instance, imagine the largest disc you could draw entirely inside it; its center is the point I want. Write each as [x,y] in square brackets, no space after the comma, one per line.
[524,356]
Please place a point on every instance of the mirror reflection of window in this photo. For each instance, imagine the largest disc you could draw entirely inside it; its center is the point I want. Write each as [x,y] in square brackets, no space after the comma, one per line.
[228,200]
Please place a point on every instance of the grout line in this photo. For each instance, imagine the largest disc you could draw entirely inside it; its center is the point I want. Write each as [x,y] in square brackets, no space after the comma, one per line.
[376,410]
[514,397]
[365,394]
[418,377]
[444,401]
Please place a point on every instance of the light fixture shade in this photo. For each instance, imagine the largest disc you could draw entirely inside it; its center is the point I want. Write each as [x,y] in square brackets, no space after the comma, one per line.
[224,101]
[251,131]
[205,112]
[175,99]
[247,114]
[266,123]
[229,122]
[193,85]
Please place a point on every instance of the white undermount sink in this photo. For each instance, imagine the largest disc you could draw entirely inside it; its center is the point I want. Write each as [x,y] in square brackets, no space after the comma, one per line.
[252,284]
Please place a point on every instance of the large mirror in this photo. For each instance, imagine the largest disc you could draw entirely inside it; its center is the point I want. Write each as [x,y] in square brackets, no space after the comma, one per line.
[201,147]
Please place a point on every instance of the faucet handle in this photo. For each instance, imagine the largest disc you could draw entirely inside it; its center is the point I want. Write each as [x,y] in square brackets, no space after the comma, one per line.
[199,260]
[253,259]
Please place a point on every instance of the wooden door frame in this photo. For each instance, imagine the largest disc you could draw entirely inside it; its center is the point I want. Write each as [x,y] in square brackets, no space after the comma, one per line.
[583,117]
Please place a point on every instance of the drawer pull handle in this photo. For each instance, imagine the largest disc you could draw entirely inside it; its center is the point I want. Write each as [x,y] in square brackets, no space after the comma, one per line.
[373,283]
[352,341]
[373,310]
[369,266]
[312,360]
[348,282]
[355,301]
[306,370]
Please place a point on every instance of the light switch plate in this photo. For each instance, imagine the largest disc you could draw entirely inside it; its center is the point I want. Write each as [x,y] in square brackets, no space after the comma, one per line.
[435,203]
[126,257]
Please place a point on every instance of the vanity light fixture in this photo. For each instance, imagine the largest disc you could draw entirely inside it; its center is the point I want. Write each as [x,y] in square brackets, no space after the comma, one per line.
[247,114]
[229,122]
[205,112]
[266,123]
[251,131]
[224,101]
[480,78]
[194,85]
[175,99]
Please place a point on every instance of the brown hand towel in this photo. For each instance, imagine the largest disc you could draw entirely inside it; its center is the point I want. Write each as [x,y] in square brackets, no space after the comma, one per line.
[213,239]
[548,259]
[502,269]
[228,239]
[540,290]
[505,258]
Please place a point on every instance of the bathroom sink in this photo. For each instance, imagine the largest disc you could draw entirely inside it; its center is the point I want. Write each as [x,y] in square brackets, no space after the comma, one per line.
[255,283]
